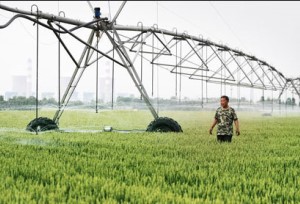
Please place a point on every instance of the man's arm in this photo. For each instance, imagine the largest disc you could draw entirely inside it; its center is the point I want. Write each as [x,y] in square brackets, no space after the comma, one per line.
[237,127]
[213,125]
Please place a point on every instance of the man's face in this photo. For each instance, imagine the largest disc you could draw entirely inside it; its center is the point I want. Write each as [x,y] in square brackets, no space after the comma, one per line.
[224,102]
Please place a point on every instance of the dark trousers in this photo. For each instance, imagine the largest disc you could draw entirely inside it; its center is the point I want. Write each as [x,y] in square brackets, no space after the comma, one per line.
[224,138]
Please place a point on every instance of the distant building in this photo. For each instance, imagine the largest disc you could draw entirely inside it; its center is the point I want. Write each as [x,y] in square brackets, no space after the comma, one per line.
[105,85]
[125,94]
[19,85]
[88,96]
[9,94]
[22,84]
[75,96]
[64,82]
[48,95]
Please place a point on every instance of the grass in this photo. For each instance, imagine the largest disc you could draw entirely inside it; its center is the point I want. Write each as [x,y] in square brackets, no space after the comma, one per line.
[260,166]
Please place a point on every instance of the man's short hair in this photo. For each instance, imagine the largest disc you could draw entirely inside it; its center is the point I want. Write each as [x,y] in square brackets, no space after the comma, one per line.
[225,97]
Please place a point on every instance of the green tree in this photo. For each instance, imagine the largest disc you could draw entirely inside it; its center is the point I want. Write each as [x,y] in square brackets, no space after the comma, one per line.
[293,101]
[288,101]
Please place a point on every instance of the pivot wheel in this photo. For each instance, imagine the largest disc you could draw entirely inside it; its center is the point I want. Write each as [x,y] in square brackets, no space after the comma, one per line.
[41,124]
[164,124]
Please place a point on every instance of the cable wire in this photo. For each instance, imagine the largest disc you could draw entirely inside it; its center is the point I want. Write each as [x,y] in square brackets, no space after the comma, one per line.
[187,20]
[226,23]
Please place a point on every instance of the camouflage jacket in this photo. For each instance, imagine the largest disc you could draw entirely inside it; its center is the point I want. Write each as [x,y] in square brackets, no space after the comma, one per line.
[225,118]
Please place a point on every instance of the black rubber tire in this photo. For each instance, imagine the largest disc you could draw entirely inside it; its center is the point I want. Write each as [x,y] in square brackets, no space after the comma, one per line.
[164,124]
[41,124]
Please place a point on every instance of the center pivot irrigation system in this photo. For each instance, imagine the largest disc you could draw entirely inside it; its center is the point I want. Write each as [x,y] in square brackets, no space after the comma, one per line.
[179,53]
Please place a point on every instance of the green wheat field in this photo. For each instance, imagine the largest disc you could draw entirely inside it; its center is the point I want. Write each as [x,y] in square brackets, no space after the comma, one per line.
[80,166]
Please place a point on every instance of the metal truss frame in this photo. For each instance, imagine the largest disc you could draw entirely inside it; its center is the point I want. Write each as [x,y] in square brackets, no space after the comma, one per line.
[179,53]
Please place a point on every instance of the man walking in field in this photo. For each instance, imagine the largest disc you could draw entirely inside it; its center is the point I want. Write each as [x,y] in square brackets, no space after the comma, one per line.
[224,117]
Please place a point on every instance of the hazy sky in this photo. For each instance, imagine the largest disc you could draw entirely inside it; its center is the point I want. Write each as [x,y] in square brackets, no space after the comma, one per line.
[268,30]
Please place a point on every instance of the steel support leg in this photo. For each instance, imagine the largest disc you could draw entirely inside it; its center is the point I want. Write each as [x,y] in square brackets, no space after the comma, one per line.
[280,94]
[74,81]
[296,90]
[131,69]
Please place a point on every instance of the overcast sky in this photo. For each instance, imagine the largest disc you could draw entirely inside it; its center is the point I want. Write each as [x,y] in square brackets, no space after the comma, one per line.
[268,30]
